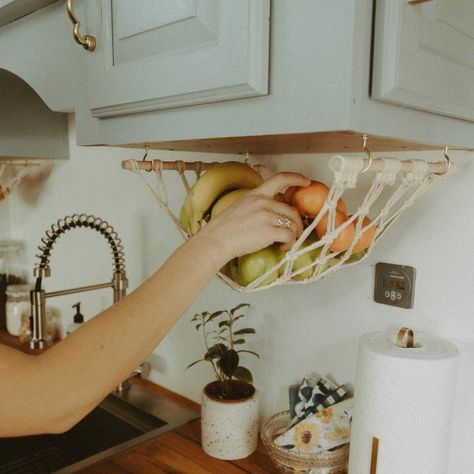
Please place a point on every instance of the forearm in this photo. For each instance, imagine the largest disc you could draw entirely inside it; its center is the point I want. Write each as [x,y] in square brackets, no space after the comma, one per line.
[53,391]
[75,375]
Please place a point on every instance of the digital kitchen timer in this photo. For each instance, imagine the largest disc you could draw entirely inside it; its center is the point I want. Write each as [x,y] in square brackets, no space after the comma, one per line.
[394,284]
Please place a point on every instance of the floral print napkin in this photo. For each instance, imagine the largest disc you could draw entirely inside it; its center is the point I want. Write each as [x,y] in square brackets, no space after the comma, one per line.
[321,431]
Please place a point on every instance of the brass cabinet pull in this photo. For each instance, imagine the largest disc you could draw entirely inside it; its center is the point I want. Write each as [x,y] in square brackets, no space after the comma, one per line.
[88,42]
[416,2]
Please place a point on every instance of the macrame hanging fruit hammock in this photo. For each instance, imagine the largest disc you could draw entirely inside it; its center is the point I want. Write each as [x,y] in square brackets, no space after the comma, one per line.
[330,241]
[11,173]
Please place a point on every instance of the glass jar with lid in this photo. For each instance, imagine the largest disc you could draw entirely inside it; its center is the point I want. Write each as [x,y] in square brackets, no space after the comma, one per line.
[18,307]
[12,271]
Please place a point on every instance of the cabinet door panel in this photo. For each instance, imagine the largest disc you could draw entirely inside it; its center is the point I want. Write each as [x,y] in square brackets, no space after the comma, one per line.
[11,10]
[167,54]
[423,55]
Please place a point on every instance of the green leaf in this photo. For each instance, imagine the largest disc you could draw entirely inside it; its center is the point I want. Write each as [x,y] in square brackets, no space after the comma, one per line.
[228,362]
[223,323]
[215,351]
[242,305]
[215,315]
[243,374]
[244,331]
[239,341]
[238,317]
[194,363]
[198,326]
[250,352]
[211,332]
[222,330]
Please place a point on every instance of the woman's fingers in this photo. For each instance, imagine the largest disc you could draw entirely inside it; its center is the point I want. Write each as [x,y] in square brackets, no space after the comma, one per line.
[280,181]
[282,210]
[256,220]
[286,237]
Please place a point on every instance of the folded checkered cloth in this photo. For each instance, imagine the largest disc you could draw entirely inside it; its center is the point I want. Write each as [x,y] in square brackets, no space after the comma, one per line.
[314,394]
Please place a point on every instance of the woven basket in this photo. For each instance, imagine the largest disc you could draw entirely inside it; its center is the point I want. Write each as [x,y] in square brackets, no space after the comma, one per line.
[327,462]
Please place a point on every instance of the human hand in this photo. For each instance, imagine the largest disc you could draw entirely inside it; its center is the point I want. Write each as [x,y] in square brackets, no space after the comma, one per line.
[252,222]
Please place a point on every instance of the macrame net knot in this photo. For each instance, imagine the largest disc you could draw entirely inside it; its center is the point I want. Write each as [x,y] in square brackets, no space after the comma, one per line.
[330,236]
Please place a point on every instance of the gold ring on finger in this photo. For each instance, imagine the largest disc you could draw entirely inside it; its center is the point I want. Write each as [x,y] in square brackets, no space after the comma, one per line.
[283,221]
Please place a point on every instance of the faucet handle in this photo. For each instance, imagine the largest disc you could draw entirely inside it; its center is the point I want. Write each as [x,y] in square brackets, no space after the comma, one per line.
[142,371]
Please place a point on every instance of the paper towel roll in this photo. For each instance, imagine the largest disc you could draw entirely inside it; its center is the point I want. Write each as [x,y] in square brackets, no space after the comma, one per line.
[404,397]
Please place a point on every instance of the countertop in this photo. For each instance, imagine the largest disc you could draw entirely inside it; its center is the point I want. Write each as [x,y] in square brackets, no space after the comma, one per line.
[175,452]
[179,452]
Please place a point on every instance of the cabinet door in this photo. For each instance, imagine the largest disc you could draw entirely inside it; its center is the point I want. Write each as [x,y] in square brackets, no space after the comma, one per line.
[159,55]
[11,10]
[424,55]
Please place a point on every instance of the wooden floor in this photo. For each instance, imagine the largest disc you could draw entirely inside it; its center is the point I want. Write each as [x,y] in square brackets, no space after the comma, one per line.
[179,452]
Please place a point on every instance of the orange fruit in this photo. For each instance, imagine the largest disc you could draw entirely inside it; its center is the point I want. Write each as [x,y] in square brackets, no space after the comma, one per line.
[344,239]
[289,193]
[309,200]
[366,238]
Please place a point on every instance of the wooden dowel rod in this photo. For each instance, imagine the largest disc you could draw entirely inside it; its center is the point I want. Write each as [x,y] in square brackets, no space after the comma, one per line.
[166,165]
[18,163]
[434,167]
[172,165]
[437,167]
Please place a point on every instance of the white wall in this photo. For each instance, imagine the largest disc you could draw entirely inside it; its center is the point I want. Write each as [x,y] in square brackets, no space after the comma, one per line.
[300,329]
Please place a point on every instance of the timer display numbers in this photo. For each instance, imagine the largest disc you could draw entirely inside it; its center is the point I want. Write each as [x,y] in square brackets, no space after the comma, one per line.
[394,284]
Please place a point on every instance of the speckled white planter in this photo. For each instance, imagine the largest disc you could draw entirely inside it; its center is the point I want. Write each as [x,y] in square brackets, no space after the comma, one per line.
[229,428]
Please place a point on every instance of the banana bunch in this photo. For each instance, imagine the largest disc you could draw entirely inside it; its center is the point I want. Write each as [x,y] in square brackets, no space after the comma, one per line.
[220,179]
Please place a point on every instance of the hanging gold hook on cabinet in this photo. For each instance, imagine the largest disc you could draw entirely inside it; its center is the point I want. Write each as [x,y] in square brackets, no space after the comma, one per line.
[88,42]
[147,149]
[369,154]
[448,162]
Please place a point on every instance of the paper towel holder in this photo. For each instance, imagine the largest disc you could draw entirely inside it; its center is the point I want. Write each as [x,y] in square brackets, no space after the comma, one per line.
[406,338]
[374,455]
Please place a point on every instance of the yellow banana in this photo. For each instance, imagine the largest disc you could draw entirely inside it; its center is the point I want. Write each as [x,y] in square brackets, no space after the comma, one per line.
[222,177]
[225,201]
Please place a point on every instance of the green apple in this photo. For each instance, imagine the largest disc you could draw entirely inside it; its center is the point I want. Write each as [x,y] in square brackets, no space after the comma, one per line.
[308,257]
[251,266]
[355,257]
[305,259]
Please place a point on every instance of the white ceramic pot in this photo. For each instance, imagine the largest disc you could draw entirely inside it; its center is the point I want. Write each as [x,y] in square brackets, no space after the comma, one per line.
[229,427]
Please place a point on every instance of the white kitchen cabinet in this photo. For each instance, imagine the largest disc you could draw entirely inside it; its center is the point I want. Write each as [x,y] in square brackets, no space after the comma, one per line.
[329,71]
[39,48]
[11,10]
[320,80]
[424,55]
[160,55]
[28,128]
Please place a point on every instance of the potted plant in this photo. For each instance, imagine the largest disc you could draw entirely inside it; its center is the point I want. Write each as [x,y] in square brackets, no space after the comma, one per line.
[229,405]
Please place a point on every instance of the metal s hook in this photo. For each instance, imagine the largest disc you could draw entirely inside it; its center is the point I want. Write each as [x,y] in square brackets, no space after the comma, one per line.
[448,162]
[147,149]
[368,152]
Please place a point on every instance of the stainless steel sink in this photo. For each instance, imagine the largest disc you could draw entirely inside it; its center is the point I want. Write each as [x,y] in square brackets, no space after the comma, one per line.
[120,422]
